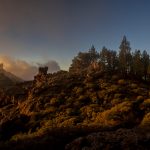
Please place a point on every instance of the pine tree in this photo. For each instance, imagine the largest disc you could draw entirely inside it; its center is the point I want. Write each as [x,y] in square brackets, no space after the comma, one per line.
[83,60]
[93,54]
[137,64]
[125,58]
[108,58]
[146,63]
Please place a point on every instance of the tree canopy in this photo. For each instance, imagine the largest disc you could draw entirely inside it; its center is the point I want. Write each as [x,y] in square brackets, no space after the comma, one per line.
[124,61]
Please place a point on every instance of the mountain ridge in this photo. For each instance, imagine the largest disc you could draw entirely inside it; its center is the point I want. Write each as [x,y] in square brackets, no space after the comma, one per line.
[7,78]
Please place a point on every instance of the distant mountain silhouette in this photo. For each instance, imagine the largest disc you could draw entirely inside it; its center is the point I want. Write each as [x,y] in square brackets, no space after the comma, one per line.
[7,78]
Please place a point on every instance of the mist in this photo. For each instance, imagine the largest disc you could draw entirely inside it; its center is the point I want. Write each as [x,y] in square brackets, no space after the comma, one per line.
[24,69]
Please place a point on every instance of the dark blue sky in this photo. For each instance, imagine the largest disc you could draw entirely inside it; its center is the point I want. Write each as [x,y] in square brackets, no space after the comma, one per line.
[41,30]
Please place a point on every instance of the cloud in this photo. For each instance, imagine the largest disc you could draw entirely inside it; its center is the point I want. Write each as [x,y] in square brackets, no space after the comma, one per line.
[24,69]
[18,67]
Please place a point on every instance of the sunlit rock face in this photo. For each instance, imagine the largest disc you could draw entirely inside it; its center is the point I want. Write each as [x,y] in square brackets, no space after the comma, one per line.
[41,77]
[43,70]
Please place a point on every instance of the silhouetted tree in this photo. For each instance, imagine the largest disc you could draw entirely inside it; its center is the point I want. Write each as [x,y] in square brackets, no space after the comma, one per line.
[104,58]
[108,59]
[113,60]
[137,64]
[83,60]
[80,62]
[93,54]
[146,63]
[125,58]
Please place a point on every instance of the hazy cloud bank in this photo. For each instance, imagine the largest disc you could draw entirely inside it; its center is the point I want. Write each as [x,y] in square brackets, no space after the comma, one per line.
[24,69]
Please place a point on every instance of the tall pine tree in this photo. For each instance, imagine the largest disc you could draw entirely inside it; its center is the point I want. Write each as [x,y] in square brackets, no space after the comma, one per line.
[146,63]
[125,57]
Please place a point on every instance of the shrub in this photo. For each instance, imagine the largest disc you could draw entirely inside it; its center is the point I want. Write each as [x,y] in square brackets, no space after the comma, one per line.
[54,101]
[50,109]
[145,105]
[138,98]
[117,95]
[48,123]
[149,94]
[134,86]
[19,136]
[93,97]
[92,86]
[79,90]
[83,98]
[87,111]
[146,121]
[77,104]
[115,101]
[140,91]
[69,122]
[113,88]
[70,111]
[103,85]
[102,94]
[147,102]
[115,77]
[47,105]
[121,82]
[117,115]
[62,107]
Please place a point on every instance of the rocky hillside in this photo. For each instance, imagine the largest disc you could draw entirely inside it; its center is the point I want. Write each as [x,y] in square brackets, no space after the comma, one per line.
[75,112]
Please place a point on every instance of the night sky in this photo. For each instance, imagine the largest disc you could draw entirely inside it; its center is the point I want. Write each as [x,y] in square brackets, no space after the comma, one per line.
[45,31]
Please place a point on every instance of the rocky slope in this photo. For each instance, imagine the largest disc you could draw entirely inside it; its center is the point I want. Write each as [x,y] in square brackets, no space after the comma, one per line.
[76,111]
